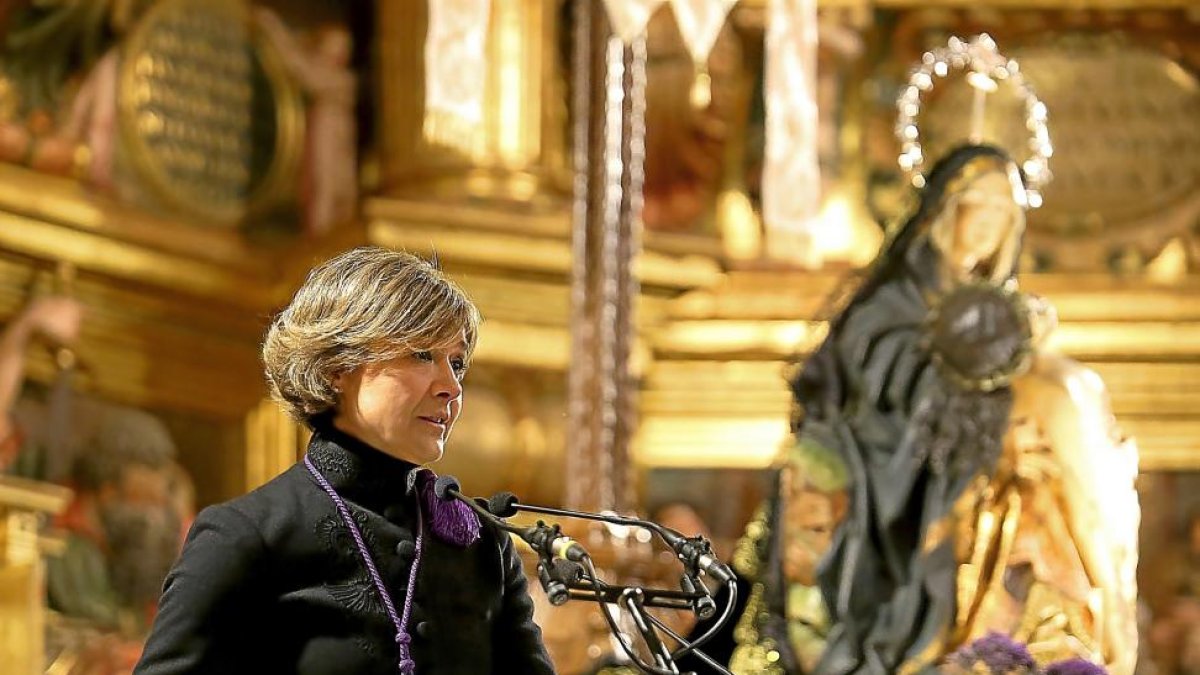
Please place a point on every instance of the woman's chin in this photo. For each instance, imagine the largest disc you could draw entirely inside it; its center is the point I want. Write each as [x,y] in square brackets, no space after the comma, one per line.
[427,455]
[419,455]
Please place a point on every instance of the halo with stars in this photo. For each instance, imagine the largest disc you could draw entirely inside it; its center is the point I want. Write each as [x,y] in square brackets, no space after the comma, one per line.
[986,68]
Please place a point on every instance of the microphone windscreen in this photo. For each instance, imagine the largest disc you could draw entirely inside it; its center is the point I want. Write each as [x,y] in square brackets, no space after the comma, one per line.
[444,485]
[674,539]
[503,504]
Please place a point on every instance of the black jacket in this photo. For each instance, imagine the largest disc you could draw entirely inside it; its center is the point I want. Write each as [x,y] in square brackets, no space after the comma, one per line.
[272,582]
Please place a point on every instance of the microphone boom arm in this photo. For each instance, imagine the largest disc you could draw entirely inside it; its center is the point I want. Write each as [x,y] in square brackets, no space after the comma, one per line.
[549,543]
[694,552]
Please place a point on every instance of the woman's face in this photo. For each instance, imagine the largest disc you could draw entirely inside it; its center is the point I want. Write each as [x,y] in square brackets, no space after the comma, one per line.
[985,216]
[405,406]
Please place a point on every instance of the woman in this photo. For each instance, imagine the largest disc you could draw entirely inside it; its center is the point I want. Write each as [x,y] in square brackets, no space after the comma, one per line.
[347,563]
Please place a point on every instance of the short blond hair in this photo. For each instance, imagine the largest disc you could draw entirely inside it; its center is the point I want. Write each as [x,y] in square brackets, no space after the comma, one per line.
[365,305]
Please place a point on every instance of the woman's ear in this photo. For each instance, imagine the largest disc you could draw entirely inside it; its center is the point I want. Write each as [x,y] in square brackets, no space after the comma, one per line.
[339,381]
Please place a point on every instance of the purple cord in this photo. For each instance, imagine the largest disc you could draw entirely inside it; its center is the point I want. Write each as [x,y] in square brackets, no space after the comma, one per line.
[403,639]
[407,665]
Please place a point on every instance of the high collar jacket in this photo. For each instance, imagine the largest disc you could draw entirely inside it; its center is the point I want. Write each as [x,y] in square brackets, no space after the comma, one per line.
[272,582]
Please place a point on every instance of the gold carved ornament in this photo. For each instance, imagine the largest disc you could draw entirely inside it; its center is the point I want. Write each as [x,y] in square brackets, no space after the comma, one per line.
[813,483]
[208,117]
[754,654]
[1127,140]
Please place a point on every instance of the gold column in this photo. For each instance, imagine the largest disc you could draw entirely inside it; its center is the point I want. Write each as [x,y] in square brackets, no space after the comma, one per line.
[274,442]
[22,571]
[516,150]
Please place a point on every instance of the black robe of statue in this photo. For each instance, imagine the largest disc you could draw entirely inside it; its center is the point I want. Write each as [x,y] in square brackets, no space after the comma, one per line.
[912,443]
[272,582]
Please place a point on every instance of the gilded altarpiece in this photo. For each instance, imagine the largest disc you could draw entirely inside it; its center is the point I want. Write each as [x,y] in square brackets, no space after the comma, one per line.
[180,261]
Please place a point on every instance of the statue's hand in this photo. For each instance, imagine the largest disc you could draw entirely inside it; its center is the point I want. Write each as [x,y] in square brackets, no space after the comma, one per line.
[1043,318]
[57,318]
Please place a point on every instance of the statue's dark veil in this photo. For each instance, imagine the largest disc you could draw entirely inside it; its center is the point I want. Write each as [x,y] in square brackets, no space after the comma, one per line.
[907,252]
[912,443]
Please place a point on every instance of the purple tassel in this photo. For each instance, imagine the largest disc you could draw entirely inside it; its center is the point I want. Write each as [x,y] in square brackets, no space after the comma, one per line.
[450,520]
[1075,667]
[997,653]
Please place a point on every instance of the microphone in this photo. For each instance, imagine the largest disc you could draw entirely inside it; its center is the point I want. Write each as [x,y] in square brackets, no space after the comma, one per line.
[549,541]
[557,577]
[446,488]
[546,540]
[560,573]
[502,504]
[696,553]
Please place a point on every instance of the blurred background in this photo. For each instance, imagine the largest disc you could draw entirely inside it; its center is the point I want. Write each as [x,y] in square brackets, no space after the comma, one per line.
[170,169]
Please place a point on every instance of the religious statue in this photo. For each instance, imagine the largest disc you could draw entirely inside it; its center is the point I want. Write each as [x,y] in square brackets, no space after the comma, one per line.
[89,135]
[60,85]
[329,183]
[84,144]
[952,479]
[131,503]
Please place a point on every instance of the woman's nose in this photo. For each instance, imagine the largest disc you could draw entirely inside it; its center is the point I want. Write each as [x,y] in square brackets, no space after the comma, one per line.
[448,385]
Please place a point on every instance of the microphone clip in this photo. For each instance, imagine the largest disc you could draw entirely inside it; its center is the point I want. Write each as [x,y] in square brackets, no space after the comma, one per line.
[698,559]
[703,605]
[557,578]
[550,542]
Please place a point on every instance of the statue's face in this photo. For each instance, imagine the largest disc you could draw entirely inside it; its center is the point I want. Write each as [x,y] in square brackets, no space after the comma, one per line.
[336,46]
[812,516]
[986,215]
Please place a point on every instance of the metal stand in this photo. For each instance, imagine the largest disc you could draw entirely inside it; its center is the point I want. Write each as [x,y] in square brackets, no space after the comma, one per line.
[566,572]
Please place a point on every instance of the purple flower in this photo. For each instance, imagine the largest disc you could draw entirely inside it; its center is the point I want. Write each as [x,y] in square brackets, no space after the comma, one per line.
[1075,667]
[998,653]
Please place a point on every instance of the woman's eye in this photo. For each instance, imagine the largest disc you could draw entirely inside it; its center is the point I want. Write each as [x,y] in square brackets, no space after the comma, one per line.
[459,366]
[423,356]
